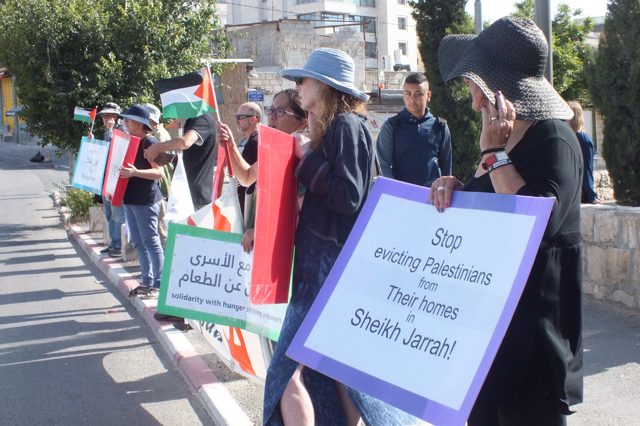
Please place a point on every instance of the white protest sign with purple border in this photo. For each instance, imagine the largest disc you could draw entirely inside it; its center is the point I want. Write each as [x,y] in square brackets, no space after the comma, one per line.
[415,308]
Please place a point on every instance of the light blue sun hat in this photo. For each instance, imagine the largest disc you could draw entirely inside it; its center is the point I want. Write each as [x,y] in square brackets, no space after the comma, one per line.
[333,67]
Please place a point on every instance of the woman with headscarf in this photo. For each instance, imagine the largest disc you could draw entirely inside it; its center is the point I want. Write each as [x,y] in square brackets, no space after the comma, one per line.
[527,149]
[335,167]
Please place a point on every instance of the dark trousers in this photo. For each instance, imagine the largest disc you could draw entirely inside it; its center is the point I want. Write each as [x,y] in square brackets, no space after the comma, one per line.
[536,403]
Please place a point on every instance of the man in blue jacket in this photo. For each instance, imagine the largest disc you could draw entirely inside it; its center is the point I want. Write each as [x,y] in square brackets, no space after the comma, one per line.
[414,146]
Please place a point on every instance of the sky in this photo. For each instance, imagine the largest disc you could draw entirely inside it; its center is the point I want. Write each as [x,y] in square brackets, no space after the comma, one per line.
[494,9]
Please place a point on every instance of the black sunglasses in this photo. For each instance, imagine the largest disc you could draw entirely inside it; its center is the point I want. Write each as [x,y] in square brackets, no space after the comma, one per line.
[298,80]
[243,116]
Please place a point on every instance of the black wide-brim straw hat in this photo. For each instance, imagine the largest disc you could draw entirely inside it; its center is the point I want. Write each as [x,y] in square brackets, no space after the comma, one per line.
[510,55]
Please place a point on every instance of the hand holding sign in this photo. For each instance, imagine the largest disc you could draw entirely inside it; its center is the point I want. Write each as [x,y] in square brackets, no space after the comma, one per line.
[429,295]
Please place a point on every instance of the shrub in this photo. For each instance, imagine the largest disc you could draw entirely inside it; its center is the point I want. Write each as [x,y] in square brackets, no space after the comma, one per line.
[78,202]
[616,92]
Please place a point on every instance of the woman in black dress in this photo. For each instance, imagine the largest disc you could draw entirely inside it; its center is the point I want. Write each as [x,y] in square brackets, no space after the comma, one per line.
[527,149]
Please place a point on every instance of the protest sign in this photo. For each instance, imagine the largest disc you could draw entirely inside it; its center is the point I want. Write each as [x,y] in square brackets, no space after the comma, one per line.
[206,276]
[415,308]
[276,215]
[122,150]
[88,173]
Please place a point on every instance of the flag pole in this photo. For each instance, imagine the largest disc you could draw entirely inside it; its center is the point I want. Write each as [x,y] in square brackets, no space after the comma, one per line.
[93,121]
[227,161]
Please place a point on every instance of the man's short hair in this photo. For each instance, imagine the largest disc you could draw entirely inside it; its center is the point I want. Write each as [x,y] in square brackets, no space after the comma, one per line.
[416,78]
[254,109]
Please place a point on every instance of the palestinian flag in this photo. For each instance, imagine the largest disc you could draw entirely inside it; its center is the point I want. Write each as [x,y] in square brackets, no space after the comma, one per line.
[190,95]
[82,114]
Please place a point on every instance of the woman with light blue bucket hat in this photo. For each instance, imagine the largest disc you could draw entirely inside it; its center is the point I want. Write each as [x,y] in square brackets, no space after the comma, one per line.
[336,169]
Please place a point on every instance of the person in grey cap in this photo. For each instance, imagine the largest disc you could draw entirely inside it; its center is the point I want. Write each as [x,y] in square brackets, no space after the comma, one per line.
[141,201]
[336,169]
[109,113]
[527,149]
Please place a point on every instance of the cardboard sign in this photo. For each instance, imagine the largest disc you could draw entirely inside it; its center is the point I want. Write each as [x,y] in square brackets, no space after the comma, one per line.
[415,308]
[276,215]
[91,161]
[206,276]
[122,150]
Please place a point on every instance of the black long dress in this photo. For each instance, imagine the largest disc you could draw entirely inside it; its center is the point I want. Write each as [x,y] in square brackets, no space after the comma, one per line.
[544,340]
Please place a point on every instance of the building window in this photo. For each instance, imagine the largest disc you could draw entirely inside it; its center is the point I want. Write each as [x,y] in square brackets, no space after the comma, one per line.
[370,50]
[402,23]
[369,23]
[403,47]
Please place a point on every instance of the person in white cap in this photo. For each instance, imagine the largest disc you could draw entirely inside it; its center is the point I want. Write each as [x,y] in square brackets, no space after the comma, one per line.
[159,132]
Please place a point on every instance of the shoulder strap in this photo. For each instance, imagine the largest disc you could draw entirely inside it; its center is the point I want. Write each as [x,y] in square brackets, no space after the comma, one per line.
[441,124]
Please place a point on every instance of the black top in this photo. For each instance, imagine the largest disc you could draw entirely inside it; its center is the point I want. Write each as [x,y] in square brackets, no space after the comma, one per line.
[337,176]
[140,191]
[547,323]
[250,155]
[200,159]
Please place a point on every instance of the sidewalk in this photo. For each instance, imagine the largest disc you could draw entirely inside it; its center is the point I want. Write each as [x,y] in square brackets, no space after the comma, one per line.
[212,393]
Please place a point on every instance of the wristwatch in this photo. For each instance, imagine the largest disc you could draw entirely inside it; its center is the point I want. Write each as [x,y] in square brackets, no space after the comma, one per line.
[496,160]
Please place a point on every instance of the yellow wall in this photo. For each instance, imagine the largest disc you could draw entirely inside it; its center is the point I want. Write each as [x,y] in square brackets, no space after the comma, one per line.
[7,101]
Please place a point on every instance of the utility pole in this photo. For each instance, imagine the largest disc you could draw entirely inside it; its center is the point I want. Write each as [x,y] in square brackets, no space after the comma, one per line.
[543,20]
[478,15]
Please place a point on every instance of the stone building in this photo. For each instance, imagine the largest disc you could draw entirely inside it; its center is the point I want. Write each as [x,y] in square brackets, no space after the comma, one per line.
[287,43]
[385,26]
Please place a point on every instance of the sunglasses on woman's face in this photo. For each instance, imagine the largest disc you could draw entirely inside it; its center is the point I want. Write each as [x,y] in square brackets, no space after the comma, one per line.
[279,111]
[298,80]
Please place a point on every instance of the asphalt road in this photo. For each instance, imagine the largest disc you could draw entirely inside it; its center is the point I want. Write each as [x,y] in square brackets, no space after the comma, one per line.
[71,351]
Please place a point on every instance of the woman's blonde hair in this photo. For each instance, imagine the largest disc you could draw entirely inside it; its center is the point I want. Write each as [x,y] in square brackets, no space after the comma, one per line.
[332,102]
[577,122]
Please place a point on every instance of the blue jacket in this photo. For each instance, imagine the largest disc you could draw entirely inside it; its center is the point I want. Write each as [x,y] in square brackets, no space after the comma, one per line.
[414,150]
[588,191]
[337,176]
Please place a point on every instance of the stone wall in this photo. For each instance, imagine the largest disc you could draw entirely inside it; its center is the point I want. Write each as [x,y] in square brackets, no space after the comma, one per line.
[611,253]
[287,43]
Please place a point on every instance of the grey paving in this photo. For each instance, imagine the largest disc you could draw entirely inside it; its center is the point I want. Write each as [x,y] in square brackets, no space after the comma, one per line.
[71,351]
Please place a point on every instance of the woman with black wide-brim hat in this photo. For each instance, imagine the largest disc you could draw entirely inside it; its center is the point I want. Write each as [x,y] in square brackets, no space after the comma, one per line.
[527,149]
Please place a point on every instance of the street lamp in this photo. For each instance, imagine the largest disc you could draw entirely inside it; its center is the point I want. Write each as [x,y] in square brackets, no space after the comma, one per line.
[478,16]
[543,20]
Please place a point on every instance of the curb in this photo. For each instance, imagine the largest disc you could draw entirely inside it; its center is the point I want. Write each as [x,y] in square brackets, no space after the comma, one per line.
[216,399]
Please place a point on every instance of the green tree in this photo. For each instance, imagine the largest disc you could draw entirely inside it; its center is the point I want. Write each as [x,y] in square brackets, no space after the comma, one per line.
[570,50]
[67,53]
[434,20]
[616,93]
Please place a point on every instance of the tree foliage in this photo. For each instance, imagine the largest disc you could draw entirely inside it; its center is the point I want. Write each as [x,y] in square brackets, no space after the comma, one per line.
[616,93]
[67,53]
[434,20]
[570,50]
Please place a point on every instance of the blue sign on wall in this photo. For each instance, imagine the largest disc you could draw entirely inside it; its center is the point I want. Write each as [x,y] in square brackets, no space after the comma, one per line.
[255,95]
